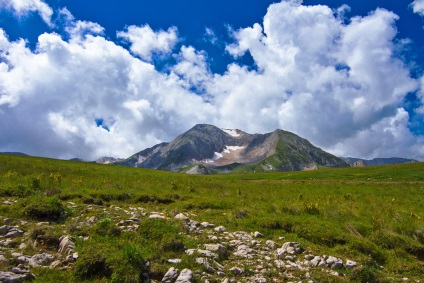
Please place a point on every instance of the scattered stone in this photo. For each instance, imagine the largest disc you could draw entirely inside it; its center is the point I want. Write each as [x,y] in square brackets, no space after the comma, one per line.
[236,271]
[316,260]
[334,262]
[207,225]
[171,275]
[181,216]
[292,248]
[10,231]
[66,245]
[351,264]
[271,244]
[207,253]
[40,260]
[218,248]
[174,260]
[220,229]
[56,264]
[42,224]
[4,260]
[92,220]
[244,251]
[20,269]
[185,276]
[8,220]
[309,257]
[257,234]
[11,277]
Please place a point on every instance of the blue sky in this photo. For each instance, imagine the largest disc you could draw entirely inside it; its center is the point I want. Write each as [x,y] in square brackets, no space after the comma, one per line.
[113,77]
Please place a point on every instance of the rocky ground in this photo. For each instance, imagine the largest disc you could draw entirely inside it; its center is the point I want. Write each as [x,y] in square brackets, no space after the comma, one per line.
[225,256]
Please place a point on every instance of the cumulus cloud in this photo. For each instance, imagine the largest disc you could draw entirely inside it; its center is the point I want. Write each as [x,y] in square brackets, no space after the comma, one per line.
[336,82]
[144,41]
[23,7]
[418,7]
[50,99]
[329,81]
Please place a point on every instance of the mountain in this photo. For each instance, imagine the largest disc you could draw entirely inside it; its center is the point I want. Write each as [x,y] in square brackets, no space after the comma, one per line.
[15,153]
[107,160]
[223,150]
[358,162]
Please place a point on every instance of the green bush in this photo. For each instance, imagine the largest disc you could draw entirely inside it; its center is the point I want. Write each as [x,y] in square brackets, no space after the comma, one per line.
[106,227]
[45,208]
[92,263]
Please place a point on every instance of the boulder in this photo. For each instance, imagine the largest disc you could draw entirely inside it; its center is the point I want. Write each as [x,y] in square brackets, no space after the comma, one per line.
[66,245]
[291,248]
[11,277]
[185,276]
[170,276]
[217,248]
[220,229]
[351,264]
[271,244]
[40,260]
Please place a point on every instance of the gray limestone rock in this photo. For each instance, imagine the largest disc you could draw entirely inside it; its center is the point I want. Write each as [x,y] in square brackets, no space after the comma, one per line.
[291,248]
[217,248]
[271,244]
[185,276]
[66,245]
[236,271]
[40,260]
[171,275]
[220,229]
[351,264]
[11,277]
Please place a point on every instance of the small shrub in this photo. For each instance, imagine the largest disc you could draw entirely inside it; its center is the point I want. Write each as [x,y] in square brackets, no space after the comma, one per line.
[106,227]
[92,264]
[365,274]
[45,209]
[311,208]
[241,213]
[88,200]
[171,243]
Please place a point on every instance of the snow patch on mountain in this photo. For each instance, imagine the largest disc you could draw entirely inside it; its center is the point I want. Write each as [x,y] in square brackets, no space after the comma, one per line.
[227,153]
[232,133]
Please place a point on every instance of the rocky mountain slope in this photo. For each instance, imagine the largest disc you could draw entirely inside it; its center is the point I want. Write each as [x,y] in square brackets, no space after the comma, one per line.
[358,162]
[227,150]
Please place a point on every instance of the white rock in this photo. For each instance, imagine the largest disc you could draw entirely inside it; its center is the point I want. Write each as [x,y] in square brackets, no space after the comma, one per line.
[171,275]
[220,229]
[257,234]
[271,244]
[218,248]
[351,264]
[181,216]
[185,276]
[40,260]
[236,271]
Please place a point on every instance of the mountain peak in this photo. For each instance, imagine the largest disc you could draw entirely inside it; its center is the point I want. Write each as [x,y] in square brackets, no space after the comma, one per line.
[225,150]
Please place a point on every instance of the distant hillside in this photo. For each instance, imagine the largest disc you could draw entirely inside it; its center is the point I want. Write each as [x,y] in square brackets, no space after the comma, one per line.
[358,162]
[225,150]
[15,153]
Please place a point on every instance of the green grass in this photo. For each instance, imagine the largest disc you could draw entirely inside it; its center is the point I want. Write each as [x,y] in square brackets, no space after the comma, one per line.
[373,215]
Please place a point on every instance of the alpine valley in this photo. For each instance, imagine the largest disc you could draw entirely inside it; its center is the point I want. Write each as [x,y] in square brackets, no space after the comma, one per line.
[206,149]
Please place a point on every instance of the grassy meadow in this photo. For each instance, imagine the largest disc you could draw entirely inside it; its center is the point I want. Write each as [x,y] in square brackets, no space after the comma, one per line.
[372,215]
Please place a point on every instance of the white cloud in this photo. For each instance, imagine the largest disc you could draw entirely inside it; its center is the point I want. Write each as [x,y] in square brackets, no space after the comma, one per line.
[418,7]
[337,83]
[144,41]
[23,7]
[50,98]
[318,77]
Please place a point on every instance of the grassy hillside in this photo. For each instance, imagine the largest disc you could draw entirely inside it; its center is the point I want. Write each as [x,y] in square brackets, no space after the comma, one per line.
[372,215]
